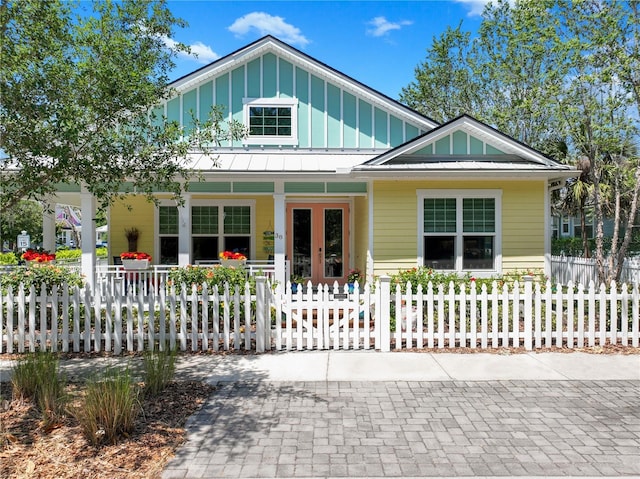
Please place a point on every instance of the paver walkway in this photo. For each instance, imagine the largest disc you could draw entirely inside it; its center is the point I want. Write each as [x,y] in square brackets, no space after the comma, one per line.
[414,429]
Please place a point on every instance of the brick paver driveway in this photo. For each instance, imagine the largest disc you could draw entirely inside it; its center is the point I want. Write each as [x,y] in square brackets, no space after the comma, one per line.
[391,429]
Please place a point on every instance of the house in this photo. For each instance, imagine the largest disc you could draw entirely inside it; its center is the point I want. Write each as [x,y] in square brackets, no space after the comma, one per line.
[334,175]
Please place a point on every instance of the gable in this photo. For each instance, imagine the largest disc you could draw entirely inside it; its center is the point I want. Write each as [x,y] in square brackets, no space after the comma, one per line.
[458,143]
[467,145]
[326,109]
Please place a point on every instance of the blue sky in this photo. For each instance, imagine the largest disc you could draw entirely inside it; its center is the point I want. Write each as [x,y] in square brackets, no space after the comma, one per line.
[376,42]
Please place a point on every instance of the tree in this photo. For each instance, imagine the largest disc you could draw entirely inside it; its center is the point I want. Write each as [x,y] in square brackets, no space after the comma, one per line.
[23,216]
[553,73]
[76,92]
[444,86]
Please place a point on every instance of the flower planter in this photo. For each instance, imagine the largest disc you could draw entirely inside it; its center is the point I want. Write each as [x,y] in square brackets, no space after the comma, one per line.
[233,263]
[135,263]
[37,264]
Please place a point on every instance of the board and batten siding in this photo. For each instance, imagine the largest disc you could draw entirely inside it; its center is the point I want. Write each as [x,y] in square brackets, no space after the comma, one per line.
[396,222]
[328,115]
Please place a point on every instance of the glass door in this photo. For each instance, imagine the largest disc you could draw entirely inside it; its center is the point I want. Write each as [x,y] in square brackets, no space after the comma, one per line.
[318,241]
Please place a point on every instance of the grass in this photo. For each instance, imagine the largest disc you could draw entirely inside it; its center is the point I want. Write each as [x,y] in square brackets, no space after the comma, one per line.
[36,376]
[110,407]
[159,370]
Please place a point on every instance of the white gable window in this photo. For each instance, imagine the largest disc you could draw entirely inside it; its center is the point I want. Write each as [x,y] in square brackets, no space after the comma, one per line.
[271,121]
[460,230]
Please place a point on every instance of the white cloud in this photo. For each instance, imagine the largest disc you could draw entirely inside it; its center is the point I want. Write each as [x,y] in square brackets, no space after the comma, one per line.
[199,51]
[267,24]
[476,7]
[381,26]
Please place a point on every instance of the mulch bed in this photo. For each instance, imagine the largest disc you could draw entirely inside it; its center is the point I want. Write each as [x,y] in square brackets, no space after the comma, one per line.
[61,451]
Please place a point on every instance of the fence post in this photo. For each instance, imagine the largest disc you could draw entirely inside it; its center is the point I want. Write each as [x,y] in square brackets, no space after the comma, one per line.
[385,313]
[528,305]
[260,314]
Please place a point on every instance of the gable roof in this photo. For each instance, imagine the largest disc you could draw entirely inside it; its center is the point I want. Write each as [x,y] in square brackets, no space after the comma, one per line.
[273,45]
[502,153]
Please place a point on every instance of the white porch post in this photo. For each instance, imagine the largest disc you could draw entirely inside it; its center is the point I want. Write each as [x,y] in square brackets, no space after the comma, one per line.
[88,237]
[184,232]
[49,226]
[279,233]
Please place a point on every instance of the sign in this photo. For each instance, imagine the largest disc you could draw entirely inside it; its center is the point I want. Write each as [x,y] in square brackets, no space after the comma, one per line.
[24,240]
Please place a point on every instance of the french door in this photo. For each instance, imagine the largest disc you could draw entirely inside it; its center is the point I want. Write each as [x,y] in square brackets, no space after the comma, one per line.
[318,241]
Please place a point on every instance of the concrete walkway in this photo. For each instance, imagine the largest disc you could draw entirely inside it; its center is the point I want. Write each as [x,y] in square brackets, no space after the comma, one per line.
[400,414]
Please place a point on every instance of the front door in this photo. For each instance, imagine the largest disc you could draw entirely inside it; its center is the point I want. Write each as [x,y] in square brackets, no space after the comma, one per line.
[318,242]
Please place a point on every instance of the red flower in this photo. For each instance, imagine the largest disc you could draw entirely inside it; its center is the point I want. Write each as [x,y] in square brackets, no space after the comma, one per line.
[232,255]
[38,256]
[135,255]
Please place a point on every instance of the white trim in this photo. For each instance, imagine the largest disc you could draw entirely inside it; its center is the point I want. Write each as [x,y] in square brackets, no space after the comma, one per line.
[370,251]
[459,195]
[268,102]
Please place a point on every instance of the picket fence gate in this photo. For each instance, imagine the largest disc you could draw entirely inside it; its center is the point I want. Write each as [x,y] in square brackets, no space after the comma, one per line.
[527,315]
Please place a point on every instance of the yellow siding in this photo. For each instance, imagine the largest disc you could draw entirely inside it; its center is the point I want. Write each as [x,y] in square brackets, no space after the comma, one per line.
[133,211]
[360,232]
[264,222]
[396,222]
[142,215]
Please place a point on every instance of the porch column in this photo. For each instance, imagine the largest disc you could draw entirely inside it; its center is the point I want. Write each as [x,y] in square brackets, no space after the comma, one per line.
[184,232]
[88,237]
[49,226]
[279,233]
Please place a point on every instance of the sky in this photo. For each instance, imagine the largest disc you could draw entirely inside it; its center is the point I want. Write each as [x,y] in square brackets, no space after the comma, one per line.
[379,43]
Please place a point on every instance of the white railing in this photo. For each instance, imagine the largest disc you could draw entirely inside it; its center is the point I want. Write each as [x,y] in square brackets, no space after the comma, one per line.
[111,277]
[529,316]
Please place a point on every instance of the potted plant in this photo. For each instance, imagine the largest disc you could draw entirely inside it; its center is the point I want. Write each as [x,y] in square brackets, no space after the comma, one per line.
[32,256]
[132,235]
[355,275]
[135,260]
[232,259]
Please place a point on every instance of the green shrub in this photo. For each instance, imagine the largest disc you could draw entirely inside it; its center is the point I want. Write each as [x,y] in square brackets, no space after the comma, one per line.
[8,259]
[109,408]
[424,276]
[36,376]
[159,370]
[212,276]
[49,274]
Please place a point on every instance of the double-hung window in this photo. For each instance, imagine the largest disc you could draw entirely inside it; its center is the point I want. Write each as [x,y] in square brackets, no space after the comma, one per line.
[217,228]
[168,234]
[271,121]
[460,230]
[214,228]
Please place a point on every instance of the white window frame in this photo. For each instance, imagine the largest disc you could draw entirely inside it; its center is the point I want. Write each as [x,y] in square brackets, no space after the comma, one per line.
[159,236]
[276,103]
[459,234]
[220,204]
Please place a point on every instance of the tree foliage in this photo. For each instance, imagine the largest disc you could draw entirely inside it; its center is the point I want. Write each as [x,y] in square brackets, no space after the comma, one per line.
[563,77]
[76,91]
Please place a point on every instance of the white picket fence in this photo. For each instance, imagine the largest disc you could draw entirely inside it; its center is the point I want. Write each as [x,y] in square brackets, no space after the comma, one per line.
[584,270]
[528,315]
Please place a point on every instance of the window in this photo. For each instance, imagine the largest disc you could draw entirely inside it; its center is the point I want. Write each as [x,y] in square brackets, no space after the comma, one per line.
[460,229]
[271,121]
[214,228]
[204,232]
[168,234]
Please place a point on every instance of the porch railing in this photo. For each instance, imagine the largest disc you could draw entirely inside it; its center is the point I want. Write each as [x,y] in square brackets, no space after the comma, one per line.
[116,278]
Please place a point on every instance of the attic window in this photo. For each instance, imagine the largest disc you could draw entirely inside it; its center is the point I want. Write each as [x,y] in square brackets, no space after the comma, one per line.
[271,121]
